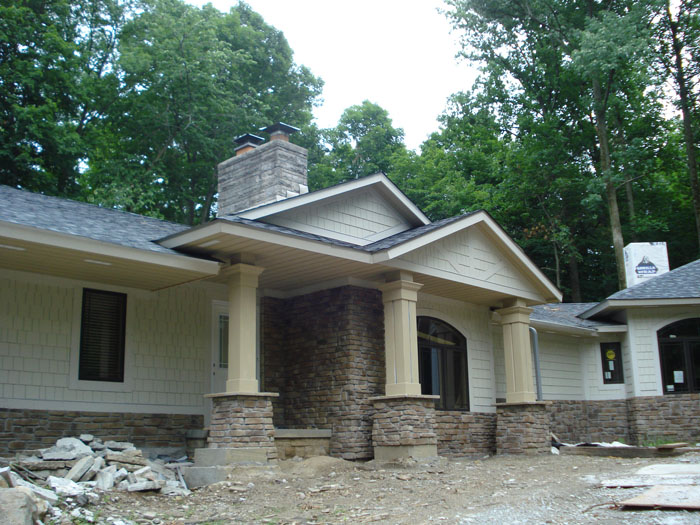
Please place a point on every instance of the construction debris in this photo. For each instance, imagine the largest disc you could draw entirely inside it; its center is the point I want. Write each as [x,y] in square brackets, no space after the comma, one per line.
[75,471]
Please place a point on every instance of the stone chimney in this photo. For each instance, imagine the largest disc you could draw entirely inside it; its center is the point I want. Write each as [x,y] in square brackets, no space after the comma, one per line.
[262,173]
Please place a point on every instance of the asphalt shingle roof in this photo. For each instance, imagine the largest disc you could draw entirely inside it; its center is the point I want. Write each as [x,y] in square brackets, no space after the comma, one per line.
[681,283]
[383,244]
[565,314]
[86,220]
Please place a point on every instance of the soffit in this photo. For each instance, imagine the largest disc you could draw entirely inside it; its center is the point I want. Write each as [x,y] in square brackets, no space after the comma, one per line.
[71,263]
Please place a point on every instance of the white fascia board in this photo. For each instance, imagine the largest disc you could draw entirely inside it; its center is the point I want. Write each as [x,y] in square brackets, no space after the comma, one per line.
[611,329]
[95,247]
[615,304]
[562,328]
[378,179]
[466,222]
[259,234]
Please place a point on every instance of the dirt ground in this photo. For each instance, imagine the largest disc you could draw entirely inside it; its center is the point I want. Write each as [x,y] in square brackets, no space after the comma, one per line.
[502,489]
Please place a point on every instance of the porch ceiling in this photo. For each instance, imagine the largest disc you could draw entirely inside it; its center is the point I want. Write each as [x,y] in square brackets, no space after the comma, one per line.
[292,270]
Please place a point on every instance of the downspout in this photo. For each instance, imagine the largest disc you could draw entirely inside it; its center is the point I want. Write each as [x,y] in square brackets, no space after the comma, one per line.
[536,358]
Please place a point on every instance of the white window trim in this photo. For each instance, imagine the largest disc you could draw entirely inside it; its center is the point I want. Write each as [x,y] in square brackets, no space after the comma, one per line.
[103,386]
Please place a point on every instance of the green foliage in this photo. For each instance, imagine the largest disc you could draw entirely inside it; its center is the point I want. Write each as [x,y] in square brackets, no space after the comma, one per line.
[363,143]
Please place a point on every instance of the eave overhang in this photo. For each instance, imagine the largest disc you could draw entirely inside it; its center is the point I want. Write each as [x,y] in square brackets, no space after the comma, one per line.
[608,306]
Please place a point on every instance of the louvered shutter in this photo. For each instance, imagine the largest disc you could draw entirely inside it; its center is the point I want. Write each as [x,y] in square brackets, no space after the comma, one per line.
[102,336]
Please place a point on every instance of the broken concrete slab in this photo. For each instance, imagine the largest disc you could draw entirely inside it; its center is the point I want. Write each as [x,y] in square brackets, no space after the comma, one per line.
[43,493]
[104,479]
[97,465]
[80,468]
[65,487]
[86,438]
[67,449]
[143,486]
[126,459]
[119,445]
[18,507]
[620,452]
[667,497]
[649,481]
[6,478]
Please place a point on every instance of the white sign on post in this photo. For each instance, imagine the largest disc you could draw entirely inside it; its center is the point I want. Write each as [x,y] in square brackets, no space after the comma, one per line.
[644,261]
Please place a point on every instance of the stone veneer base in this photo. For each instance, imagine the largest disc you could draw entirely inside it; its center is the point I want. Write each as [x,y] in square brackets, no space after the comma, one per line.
[522,428]
[243,421]
[32,429]
[403,426]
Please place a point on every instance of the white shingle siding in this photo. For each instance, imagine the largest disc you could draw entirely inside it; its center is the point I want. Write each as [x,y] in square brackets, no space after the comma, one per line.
[560,367]
[474,323]
[362,218]
[167,346]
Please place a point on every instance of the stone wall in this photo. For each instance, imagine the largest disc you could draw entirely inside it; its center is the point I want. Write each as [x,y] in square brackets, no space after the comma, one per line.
[522,429]
[242,421]
[577,421]
[32,429]
[465,433]
[669,418]
[324,353]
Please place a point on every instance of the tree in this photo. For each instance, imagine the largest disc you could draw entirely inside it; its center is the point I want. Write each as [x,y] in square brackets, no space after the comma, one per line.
[363,143]
[193,80]
[677,33]
[57,81]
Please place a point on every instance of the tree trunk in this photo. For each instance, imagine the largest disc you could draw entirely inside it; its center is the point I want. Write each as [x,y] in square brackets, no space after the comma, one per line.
[610,191]
[688,135]
[574,279]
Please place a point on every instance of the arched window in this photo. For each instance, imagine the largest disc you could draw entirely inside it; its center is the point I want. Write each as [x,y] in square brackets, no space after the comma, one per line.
[679,353]
[442,363]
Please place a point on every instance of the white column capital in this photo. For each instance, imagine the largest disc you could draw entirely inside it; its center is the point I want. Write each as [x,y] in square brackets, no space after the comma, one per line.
[400,290]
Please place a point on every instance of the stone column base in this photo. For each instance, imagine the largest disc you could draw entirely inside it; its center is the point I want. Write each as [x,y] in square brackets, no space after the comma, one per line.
[522,428]
[403,427]
[244,421]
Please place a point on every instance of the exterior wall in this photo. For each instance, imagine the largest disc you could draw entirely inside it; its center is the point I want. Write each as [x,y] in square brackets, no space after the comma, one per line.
[465,433]
[641,342]
[166,356]
[471,253]
[362,217]
[560,367]
[594,387]
[32,429]
[474,323]
[324,353]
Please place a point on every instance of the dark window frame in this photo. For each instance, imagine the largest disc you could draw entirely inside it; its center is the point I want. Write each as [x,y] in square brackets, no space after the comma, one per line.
[686,343]
[444,355]
[616,374]
[102,336]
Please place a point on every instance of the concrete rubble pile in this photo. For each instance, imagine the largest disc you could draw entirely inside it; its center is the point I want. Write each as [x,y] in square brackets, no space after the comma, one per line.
[75,472]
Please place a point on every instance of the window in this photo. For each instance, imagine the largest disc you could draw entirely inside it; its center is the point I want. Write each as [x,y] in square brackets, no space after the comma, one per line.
[679,354]
[102,329]
[442,363]
[611,357]
[223,340]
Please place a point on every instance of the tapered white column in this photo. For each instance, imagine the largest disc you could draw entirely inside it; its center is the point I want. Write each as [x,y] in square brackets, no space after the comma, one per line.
[242,328]
[401,337]
[515,320]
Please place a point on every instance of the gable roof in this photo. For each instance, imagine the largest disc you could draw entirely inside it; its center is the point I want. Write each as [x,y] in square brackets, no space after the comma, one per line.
[679,286]
[86,220]
[565,316]
[378,181]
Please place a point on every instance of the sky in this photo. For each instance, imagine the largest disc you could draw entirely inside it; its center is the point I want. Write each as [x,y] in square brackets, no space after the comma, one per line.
[399,54]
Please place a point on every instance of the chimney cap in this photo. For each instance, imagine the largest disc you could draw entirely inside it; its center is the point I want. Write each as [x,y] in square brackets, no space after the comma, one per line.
[280,127]
[249,138]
